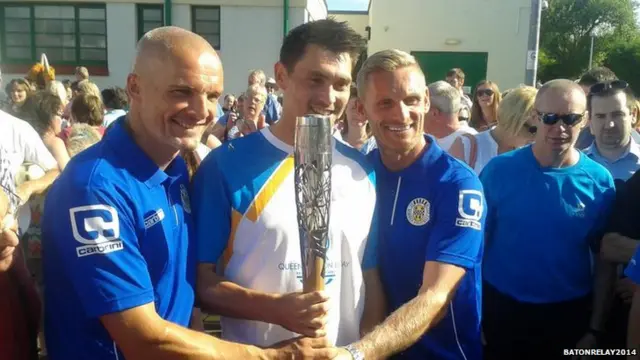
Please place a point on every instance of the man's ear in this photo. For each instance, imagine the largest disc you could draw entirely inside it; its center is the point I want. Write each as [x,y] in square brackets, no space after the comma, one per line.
[360,110]
[282,75]
[427,101]
[133,86]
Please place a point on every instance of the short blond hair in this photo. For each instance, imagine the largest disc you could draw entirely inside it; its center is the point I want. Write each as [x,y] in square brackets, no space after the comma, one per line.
[514,109]
[89,88]
[257,90]
[385,60]
[83,72]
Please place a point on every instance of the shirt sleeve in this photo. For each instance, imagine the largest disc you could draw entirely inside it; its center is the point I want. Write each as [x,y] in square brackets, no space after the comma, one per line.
[370,257]
[212,211]
[633,269]
[96,243]
[600,227]
[490,220]
[34,149]
[624,209]
[459,217]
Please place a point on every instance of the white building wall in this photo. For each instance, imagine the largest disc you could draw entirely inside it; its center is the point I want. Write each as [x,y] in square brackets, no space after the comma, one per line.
[358,21]
[251,37]
[317,9]
[418,25]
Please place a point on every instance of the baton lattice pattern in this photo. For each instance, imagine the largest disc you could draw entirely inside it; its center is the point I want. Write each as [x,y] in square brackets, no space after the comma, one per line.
[313,197]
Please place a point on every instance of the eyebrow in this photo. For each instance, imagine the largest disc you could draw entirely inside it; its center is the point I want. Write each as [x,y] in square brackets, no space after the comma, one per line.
[324,75]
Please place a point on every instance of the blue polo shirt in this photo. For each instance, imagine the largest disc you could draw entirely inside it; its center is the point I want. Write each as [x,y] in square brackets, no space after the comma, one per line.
[433,211]
[115,233]
[633,269]
[543,225]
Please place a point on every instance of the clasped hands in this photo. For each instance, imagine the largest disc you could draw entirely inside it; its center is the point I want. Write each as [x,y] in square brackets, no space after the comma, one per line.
[305,314]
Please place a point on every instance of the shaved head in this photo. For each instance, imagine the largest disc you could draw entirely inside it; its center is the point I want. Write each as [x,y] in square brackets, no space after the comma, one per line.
[562,88]
[171,44]
[173,89]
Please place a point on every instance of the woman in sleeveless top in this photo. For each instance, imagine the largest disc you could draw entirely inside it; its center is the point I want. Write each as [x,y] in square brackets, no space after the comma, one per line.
[515,128]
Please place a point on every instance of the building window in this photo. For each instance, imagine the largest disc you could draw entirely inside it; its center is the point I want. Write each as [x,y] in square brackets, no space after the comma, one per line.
[67,34]
[149,18]
[205,22]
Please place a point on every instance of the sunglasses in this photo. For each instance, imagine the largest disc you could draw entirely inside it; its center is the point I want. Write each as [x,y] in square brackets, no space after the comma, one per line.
[484,92]
[568,119]
[609,85]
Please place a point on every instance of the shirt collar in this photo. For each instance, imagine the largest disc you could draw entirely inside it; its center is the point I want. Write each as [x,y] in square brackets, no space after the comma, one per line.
[428,158]
[137,162]
[633,149]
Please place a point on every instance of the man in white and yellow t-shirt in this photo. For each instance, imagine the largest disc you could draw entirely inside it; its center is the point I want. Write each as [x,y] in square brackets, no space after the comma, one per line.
[246,226]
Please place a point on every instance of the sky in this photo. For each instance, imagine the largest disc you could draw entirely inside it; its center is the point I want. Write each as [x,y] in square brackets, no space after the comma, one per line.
[348,4]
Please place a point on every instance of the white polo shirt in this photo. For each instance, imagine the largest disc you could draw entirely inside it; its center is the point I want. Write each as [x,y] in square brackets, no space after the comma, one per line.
[23,144]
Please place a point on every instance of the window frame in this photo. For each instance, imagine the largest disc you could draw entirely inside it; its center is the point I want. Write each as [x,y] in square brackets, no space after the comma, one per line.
[35,57]
[140,16]
[195,8]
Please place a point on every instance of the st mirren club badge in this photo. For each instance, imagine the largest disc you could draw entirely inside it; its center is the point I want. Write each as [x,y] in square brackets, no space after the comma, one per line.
[418,212]
[184,195]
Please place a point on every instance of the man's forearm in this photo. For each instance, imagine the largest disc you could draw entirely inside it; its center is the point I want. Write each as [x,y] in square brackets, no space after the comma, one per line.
[603,292]
[618,248]
[405,326]
[220,296]
[178,343]
[38,186]
[633,331]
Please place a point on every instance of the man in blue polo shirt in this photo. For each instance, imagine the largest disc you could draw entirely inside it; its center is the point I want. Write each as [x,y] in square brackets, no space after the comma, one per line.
[431,222]
[547,206]
[119,267]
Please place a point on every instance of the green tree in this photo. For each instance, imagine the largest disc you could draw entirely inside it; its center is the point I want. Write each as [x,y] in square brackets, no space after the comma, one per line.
[565,34]
[624,59]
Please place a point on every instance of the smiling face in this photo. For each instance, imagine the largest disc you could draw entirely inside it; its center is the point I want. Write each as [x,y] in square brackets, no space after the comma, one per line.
[178,102]
[395,104]
[485,94]
[318,84]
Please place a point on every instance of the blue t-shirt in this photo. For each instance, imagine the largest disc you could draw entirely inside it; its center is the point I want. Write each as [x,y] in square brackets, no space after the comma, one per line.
[633,269]
[543,225]
[115,233]
[433,211]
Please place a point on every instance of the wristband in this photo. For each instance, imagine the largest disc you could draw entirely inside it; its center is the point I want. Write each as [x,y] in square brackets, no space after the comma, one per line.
[355,353]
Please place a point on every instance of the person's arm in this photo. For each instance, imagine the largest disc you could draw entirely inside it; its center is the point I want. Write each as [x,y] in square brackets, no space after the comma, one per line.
[618,248]
[633,331]
[453,248]
[59,152]
[405,326]
[375,304]
[37,186]
[457,150]
[214,214]
[141,334]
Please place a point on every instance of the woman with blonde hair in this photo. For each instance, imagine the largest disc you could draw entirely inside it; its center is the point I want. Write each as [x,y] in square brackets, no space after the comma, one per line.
[515,128]
[486,100]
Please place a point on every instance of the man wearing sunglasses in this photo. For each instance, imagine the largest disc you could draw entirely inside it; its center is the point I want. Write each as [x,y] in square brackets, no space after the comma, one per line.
[546,203]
